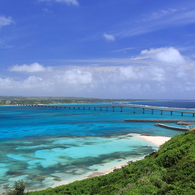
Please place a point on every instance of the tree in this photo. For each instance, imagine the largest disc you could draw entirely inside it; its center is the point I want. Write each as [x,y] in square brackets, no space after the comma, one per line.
[19,188]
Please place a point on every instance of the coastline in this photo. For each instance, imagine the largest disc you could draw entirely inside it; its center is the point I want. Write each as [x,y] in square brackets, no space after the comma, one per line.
[156,140]
[108,167]
[105,168]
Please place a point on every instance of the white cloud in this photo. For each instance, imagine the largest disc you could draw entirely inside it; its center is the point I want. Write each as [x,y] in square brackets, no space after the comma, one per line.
[157,73]
[69,2]
[170,55]
[35,67]
[109,37]
[146,74]
[6,83]
[159,14]
[5,21]
[158,20]
[130,73]
[73,2]
[167,55]
[148,77]
[124,50]
[75,76]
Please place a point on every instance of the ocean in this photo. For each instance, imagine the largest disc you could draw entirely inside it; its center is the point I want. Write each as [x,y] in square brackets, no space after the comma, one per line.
[51,146]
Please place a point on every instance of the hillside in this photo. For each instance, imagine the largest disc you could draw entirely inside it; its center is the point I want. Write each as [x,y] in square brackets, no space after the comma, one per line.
[170,170]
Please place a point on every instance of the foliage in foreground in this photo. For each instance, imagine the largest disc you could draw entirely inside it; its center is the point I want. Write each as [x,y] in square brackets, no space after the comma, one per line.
[19,188]
[170,170]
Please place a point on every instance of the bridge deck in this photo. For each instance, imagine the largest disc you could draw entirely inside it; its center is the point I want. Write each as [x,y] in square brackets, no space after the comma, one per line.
[120,107]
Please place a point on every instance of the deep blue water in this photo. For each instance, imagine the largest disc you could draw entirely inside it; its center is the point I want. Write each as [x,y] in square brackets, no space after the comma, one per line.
[45,146]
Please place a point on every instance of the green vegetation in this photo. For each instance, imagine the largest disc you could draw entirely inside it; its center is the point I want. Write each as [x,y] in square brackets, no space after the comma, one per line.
[170,170]
[19,188]
[14,100]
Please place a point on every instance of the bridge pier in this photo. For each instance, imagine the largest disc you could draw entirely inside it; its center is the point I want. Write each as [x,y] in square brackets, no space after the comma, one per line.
[114,108]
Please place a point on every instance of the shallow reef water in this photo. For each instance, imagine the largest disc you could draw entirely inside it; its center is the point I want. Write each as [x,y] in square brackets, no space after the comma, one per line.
[66,158]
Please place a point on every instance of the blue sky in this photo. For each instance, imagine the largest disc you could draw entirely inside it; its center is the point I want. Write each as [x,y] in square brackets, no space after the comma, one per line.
[98,48]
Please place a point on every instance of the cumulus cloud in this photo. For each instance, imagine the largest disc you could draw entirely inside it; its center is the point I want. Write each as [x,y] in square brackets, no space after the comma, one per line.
[4,21]
[157,73]
[6,83]
[170,55]
[69,2]
[68,83]
[153,76]
[148,73]
[130,73]
[75,76]
[109,37]
[167,55]
[35,67]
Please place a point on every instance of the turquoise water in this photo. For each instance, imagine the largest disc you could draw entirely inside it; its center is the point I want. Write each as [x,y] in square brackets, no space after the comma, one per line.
[52,146]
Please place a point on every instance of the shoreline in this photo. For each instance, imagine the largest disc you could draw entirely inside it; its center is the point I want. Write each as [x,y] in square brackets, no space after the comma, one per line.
[100,172]
[154,140]
[157,140]
[109,166]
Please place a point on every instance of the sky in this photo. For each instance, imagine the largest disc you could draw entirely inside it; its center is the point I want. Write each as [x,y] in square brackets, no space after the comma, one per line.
[130,49]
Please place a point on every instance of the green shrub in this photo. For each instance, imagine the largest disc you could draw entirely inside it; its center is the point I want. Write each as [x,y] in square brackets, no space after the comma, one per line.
[19,188]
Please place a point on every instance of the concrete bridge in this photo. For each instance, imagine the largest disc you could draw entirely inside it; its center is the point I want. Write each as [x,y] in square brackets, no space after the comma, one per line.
[119,108]
[80,107]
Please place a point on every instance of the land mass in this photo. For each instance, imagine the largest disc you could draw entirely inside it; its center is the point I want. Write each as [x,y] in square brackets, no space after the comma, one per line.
[15,100]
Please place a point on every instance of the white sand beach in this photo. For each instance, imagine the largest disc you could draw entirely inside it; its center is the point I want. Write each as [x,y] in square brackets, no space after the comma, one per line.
[157,140]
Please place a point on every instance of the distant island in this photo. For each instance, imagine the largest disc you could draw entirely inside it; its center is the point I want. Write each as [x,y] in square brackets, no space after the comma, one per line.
[16,100]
